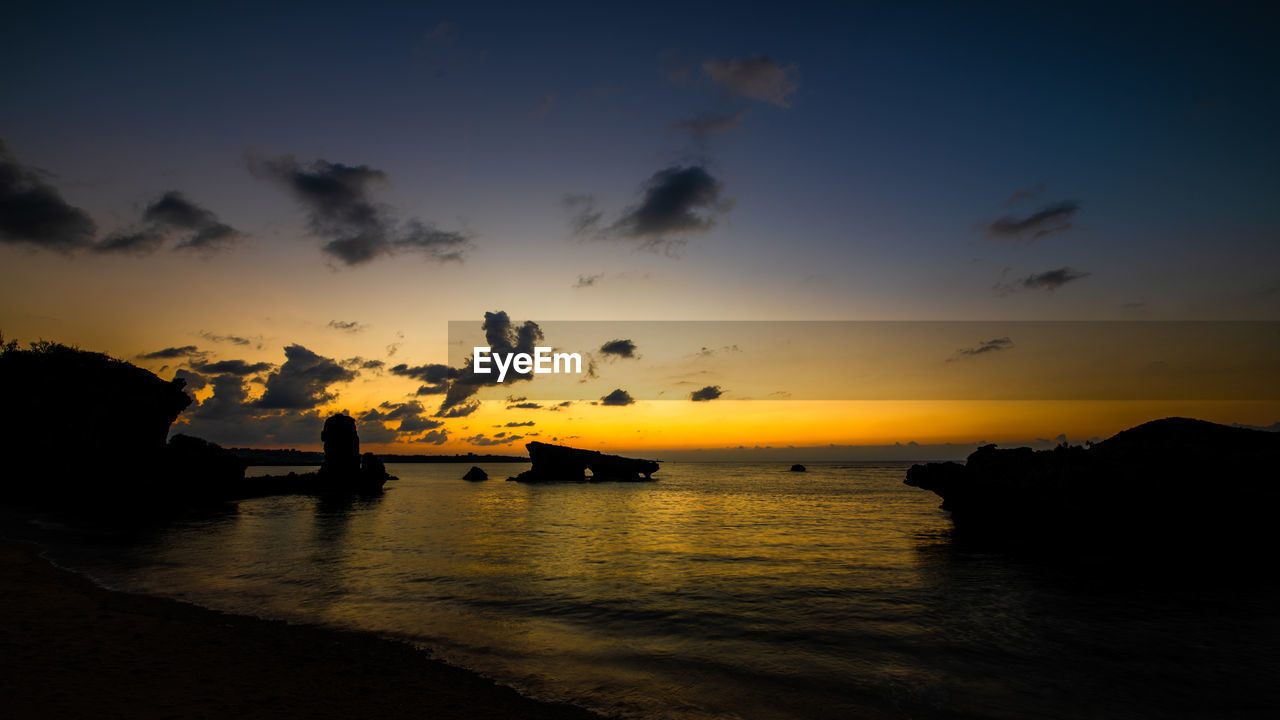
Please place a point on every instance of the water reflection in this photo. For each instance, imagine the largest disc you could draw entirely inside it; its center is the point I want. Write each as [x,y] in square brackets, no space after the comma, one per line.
[722,590]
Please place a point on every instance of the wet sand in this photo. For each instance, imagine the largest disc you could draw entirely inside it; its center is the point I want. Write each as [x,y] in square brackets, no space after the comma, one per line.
[70,649]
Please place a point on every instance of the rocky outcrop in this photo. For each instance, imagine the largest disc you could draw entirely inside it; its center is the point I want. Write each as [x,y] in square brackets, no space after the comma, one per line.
[475,474]
[798,468]
[1166,478]
[341,446]
[559,463]
[82,427]
[344,469]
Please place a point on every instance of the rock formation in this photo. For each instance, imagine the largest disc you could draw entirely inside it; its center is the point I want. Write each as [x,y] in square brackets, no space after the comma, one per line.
[1166,479]
[341,447]
[475,474]
[558,463]
[797,468]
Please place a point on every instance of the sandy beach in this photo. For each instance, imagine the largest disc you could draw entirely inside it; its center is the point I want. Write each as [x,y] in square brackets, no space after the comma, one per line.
[71,649]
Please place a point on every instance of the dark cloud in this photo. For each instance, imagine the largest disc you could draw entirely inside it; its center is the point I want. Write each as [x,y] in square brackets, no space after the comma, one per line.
[33,212]
[191,381]
[503,337]
[757,77]
[1049,281]
[499,439]
[458,411]
[433,373]
[359,363]
[584,220]
[701,127]
[1024,194]
[345,326]
[140,242]
[677,201]
[983,348]
[170,353]
[340,207]
[706,352]
[529,423]
[234,339]
[1052,279]
[619,348]
[525,406]
[303,381]
[708,393]
[435,437]
[432,389]
[1052,219]
[618,398]
[173,212]
[231,367]
[586,281]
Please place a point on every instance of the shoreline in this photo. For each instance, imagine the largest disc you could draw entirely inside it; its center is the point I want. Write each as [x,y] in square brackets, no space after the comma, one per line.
[70,648]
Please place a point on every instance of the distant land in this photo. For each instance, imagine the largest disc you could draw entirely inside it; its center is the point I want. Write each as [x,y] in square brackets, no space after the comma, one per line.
[256,456]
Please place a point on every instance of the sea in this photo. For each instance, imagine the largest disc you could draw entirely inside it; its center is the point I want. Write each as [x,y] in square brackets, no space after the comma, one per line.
[723,591]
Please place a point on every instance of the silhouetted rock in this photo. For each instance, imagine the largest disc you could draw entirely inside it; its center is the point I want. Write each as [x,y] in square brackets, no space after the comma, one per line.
[797,468]
[475,474]
[558,463]
[341,447]
[1174,478]
[82,426]
[206,467]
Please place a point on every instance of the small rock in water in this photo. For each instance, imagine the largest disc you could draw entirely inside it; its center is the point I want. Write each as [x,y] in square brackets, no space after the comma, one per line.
[475,474]
[797,468]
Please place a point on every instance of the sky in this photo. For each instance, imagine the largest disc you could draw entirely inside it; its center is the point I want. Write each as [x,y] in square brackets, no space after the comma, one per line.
[285,204]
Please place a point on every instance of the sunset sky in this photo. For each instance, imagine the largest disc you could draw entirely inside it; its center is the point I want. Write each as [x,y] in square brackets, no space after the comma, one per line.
[289,205]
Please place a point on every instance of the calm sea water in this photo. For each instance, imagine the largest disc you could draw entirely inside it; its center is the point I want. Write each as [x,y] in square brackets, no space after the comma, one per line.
[722,591]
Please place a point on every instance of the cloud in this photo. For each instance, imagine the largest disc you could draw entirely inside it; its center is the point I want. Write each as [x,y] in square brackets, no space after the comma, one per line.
[618,398]
[584,220]
[702,126]
[499,439]
[525,406]
[1024,194]
[586,281]
[173,212]
[432,373]
[191,381]
[170,353]
[231,367]
[351,327]
[706,394]
[340,207]
[676,201]
[359,363]
[529,423]
[619,348]
[435,437]
[33,212]
[1049,281]
[1051,219]
[982,348]
[140,242]
[757,77]
[303,381]
[458,411]
[234,339]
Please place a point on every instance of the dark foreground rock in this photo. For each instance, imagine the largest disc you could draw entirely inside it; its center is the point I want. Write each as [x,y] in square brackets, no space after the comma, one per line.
[558,463]
[1189,481]
[475,474]
[798,468]
[87,431]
